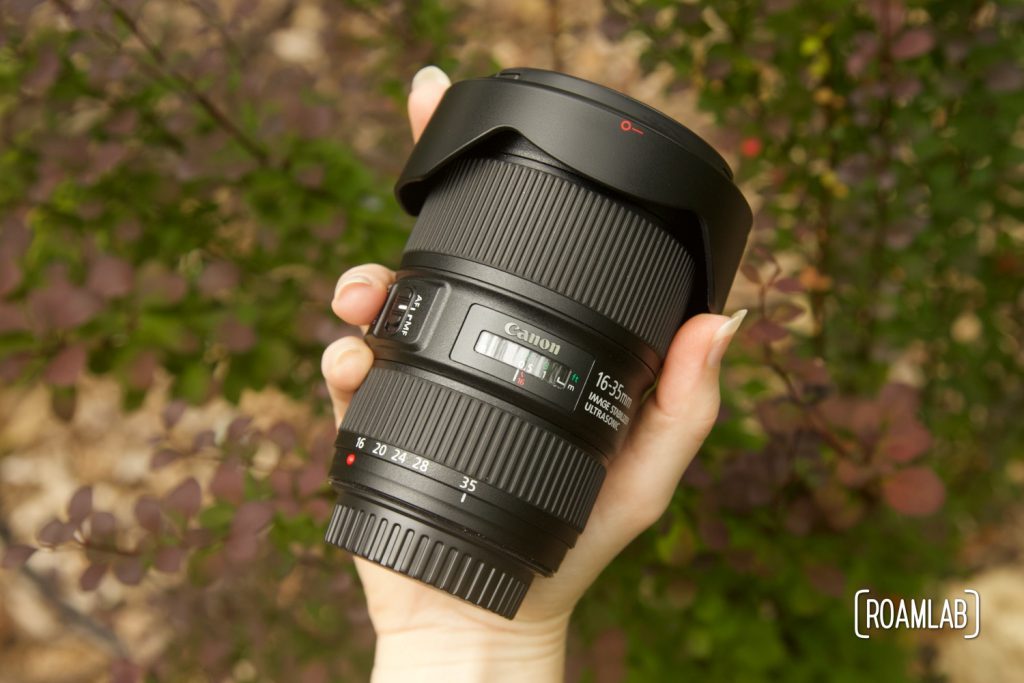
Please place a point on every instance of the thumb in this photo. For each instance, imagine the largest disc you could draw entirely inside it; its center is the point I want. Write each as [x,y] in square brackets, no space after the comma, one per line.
[428,87]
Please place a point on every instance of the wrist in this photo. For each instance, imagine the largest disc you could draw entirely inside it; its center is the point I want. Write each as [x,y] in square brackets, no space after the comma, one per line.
[471,651]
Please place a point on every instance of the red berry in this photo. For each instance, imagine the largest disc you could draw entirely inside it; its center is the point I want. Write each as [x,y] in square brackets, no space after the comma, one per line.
[750,147]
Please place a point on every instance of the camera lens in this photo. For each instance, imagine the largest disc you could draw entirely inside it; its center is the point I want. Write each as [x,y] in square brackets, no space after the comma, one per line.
[564,233]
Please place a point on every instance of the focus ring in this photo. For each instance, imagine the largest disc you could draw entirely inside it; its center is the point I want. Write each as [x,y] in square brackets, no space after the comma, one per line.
[478,439]
[564,236]
[433,556]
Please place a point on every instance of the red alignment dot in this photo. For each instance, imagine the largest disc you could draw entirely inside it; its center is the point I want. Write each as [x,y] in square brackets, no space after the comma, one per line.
[350,458]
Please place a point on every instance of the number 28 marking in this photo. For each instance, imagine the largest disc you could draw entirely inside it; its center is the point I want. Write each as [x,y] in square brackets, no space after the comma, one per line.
[418,463]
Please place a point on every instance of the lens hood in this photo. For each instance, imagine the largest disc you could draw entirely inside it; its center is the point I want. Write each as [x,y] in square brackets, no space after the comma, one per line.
[605,137]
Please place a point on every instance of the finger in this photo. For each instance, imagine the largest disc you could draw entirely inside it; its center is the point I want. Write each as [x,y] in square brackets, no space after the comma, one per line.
[345,364]
[428,87]
[673,423]
[642,478]
[360,293]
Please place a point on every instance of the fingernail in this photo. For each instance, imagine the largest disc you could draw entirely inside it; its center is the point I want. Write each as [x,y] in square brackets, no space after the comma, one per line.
[349,281]
[724,335]
[430,75]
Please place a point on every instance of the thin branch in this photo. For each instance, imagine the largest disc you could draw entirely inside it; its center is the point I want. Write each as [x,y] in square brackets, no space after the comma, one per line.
[67,614]
[813,418]
[188,88]
[876,252]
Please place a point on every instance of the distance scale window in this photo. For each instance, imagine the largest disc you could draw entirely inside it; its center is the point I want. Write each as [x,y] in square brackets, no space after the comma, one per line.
[525,361]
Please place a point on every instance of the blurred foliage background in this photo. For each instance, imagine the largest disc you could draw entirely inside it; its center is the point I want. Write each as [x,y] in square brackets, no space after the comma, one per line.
[181,183]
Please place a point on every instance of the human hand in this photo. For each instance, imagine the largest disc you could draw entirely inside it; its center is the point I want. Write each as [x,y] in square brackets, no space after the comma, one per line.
[426,634]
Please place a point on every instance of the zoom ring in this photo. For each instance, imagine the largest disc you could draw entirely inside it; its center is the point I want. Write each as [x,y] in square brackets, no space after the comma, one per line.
[479,440]
[429,555]
[564,236]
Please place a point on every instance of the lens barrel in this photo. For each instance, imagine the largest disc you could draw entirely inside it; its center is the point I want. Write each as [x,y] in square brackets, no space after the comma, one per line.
[547,272]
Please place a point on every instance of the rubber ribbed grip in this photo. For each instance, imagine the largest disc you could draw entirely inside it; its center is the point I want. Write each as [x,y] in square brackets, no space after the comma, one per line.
[564,236]
[427,554]
[480,440]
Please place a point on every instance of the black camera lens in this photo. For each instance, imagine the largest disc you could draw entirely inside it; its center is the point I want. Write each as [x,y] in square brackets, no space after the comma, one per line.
[564,233]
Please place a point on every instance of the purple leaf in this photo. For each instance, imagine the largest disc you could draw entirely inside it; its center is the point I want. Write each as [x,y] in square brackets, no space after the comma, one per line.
[197,538]
[786,312]
[251,518]
[123,123]
[1005,77]
[204,439]
[17,555]
[865,49]
[91,577]
[888,14]
[148,514]
[751,273]
[163,458]
[788,285]
[67,366]
[310,479]
[898,401]
[764,331]
[110,277]
[102,525]
[155,281]
[905,441]
[319,510]
[12,318]
[228,482]
[142,369]
[172,413]
[236,336]
[80,505]
[218,277]
[609,655]
[614,25]
[915,491]
[810,371]
[55,532]
[243,548]
[280,481]
[106,157]
[10,274]
[129,570]
[238,428]
[45,73]
[283,434]
[168,559]
[185,498]
[61,306]
[913,43]
[905,89]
